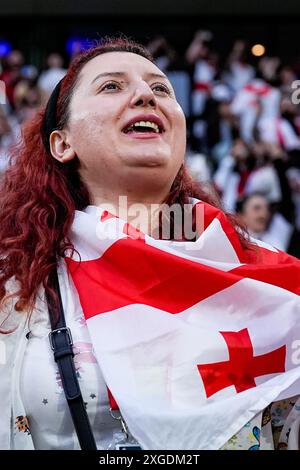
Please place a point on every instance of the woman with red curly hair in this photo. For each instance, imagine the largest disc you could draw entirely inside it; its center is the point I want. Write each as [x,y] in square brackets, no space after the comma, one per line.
[159,341]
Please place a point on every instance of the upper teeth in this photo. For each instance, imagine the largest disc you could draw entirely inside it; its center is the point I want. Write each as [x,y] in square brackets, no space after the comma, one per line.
[147,124]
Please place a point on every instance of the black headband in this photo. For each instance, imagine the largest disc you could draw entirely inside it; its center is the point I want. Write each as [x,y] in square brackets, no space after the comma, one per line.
[49,122]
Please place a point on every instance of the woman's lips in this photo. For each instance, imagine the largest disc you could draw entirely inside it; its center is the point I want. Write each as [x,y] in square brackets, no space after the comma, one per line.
[142,135]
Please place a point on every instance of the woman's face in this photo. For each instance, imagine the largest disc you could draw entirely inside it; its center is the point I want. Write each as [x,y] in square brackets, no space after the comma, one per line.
[256,214]
[125,124]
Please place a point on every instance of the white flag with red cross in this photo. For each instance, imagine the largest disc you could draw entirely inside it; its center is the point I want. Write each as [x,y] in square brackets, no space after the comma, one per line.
[193,338]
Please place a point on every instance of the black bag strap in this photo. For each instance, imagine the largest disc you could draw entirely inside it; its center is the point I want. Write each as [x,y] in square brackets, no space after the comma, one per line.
[61,343]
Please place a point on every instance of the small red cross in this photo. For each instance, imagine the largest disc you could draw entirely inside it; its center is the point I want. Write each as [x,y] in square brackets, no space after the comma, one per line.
[242,367]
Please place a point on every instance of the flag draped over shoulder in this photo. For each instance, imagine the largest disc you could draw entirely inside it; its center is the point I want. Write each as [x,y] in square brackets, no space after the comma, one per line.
[193,338]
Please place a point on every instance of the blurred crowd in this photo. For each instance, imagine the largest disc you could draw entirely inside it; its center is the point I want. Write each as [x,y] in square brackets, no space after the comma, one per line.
[243,121]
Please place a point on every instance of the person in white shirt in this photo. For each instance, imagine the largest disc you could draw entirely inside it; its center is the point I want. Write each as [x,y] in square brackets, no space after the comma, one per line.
[55,72]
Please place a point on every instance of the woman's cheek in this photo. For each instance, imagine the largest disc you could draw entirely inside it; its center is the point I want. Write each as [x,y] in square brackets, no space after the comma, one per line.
[85,132]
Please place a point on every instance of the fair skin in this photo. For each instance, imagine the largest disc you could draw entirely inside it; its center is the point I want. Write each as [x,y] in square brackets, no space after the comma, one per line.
[113,89]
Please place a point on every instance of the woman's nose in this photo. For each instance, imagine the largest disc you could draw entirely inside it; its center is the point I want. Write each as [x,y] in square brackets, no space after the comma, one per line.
[143,96]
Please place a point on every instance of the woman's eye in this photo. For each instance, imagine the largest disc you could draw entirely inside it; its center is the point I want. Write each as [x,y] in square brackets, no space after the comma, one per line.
[110,86]
[161,88]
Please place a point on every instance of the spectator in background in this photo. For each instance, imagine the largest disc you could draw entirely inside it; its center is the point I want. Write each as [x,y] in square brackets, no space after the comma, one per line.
[238,72]
[264,177]
[256,214]
[253,104]
[204,63]
[222,125]
[243,171]
[164,55]
[258,106]
[9,131]
[54,73]
[286,77]
[290,112]
[276,122]
[28,98]
[12,73]
[233,172]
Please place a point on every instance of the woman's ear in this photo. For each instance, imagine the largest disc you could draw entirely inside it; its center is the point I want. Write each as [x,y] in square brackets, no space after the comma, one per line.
[60,148]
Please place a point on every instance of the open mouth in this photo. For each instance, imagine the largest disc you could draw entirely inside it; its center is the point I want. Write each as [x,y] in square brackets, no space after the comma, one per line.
[144,127]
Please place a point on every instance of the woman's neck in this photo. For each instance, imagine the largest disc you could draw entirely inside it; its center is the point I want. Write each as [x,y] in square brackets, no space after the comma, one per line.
[141,213]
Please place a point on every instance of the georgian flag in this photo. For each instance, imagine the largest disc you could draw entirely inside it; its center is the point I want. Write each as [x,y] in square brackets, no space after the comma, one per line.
[192,340]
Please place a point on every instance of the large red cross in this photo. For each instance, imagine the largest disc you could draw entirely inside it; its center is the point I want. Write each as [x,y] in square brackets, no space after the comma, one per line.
[242,367]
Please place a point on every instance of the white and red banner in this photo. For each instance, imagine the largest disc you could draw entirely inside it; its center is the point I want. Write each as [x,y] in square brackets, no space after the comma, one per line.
[192,340]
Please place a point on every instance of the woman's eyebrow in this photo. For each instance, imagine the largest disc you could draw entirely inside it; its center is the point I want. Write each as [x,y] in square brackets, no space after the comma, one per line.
[124,74]
[108,74]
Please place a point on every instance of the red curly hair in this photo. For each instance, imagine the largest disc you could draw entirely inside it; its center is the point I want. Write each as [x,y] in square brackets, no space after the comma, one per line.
[39,195]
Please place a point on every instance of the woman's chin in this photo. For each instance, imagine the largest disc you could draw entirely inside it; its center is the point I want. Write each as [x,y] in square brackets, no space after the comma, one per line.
[150,160]
[149,176]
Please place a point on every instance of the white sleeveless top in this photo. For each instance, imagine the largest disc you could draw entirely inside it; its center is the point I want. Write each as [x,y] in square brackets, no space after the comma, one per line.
[45,405]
